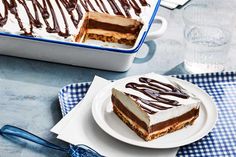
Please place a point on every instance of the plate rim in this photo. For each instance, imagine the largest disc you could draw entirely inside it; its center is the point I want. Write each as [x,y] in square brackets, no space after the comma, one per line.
[211,122]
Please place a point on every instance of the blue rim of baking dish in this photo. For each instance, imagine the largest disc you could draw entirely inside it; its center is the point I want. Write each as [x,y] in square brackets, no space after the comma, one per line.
[129,51]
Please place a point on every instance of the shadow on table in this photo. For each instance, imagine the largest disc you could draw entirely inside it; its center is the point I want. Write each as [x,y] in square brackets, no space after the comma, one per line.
[55,111]
[177,70]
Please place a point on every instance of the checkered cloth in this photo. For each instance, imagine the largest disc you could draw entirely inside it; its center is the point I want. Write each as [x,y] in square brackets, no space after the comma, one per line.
[71,95]
[220,86]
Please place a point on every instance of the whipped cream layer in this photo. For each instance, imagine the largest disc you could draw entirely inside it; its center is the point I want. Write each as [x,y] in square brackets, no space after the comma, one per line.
[158,98]
[62,19]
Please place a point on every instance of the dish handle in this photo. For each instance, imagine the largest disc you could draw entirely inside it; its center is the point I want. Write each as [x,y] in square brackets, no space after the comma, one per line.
[157,33]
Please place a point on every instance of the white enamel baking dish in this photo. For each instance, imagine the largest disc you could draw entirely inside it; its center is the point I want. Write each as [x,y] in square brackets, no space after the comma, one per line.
[114,59]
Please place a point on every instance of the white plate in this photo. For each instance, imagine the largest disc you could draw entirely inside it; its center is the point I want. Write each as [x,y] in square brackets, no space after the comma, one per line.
[112,125]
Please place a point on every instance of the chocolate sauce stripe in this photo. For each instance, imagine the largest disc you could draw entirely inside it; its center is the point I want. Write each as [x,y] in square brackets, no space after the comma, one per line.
[135,6]
[70,5]
[156,105]
[174,91]
[12,8]
[84,4]
[115,7]
[154,90]
[3,19]
[37,21]
[32,20]
[144,3]
[153,93]
[104,7]
[91,6]
[153,104]
[142,106]
[99,6]
[126,7]
[66,33]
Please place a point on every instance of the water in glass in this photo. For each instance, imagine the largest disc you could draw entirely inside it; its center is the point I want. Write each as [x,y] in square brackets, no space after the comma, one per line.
[206,49]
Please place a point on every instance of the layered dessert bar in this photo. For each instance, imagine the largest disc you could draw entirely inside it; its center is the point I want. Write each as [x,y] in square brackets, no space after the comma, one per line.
[152,105]
[108,28]
[62,19]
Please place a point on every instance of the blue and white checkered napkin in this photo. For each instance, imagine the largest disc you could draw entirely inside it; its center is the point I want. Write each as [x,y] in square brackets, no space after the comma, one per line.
[221,86]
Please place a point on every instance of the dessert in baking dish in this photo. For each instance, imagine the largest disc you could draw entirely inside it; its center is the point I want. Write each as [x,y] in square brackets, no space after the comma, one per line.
[109,28]
[152,105]
[62,19]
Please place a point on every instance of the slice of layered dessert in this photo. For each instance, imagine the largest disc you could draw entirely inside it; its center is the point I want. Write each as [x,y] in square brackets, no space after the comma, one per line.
[109,28]
[152,105]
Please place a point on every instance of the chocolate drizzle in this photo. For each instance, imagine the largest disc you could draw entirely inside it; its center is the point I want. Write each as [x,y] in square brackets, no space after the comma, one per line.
[126,7]
[115,7]
[45,9]
[135,6]
[3,20]
[99,6]
[148,102]
[104,7]
[155,90]
[86,4]
[70,7]
[144,3]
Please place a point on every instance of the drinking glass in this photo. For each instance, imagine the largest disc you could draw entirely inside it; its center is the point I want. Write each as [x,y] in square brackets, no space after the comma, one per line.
[207,35]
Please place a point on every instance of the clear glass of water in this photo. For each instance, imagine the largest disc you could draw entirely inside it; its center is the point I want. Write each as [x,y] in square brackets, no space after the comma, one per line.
[207,34]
